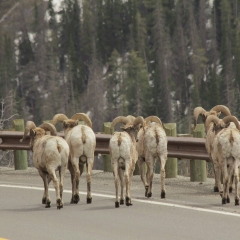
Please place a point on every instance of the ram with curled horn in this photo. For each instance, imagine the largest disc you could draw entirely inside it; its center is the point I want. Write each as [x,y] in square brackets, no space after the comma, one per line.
[50,154]
[226,152]
[82,142]
[152,147]
[123,152]
[210,134]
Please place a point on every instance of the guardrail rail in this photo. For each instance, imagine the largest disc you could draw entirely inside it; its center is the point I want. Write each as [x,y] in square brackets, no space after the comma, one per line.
[178,147]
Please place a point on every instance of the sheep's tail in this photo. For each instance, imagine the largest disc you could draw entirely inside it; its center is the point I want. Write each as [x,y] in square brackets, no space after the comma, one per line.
[119,140]
[84,137]
[157,136]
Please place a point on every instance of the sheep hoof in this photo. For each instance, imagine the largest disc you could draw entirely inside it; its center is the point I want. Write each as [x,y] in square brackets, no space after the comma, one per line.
[215,189]
[121,201]
[146,191]
[149,195]
[230,189]
[59,204]
[128,201]
[75,198]
[89,200]
[44,200]
[48,204]
[236,201]
[116,204]
[224,200]
[163,194]
[228,200]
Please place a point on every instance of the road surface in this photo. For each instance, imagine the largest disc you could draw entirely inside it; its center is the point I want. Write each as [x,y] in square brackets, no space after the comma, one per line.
[191,210]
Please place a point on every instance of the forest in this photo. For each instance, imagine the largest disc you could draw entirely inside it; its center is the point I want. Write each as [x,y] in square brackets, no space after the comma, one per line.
[118,57]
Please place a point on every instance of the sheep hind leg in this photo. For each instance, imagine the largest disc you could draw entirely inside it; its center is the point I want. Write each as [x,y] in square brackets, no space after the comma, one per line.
[121,176]
[163,159]
[70,168]
[236,178]
[76,180]
[89,179]
[225,183]
[217,175]
[115,173]
[56,184]
[141,166]
[128,200]
[62,172]
[151,165]
[45,199]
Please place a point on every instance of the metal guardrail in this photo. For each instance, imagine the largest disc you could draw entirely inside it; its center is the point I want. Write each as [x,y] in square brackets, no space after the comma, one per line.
[178,147]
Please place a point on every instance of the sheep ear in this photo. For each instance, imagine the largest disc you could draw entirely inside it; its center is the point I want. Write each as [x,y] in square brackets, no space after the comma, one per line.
[203,117]
[218,114]
[64,124]
[227,125]
[32,133]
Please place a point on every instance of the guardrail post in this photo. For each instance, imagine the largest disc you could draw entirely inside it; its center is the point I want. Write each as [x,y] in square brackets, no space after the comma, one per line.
[106,157]
[184,164]
[198,167]
[171,168]
[20,156]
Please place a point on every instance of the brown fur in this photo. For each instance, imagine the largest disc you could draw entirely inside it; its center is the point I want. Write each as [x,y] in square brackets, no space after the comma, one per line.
[84,137]
[119,140]
[231,139]
[59,148]
[157,137]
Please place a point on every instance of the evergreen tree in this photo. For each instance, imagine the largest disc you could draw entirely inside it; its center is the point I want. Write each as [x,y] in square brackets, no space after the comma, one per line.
[137,86]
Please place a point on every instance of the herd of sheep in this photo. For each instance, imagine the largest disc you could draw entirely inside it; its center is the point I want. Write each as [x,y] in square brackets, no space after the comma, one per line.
[141,141]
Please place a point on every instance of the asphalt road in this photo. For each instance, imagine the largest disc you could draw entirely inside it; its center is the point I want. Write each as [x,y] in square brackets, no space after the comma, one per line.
[191,210]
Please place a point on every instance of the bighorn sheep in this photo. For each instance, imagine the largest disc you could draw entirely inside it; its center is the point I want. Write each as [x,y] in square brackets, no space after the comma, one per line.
[124,154]
[50,153]
[82,142]
[152,145]
[210,135]
[226,152]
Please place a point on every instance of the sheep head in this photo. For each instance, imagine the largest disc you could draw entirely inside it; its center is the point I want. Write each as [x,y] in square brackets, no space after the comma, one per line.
[29,125]
[82,117]
[60,117]
[131,127]
[70,123]
[49,127]
[153,119]
[219,124]
[215,111]
[119,119]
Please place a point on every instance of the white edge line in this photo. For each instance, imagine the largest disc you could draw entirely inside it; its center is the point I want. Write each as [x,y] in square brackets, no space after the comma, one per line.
[134,199]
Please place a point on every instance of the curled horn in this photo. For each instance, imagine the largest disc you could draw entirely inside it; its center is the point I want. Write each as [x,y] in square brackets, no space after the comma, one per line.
[233,119]
[210,119]
[29,125]
[49,127]
[131,118]
[139,120]
[221,108]
[119,119]
[197,111]
[82,117]
[59,118]
[153,119]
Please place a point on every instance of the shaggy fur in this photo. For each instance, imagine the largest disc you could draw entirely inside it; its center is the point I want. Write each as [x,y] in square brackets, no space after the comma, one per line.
[82,143]
[50,153]
[124,155]
[226,153]
[152,146]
